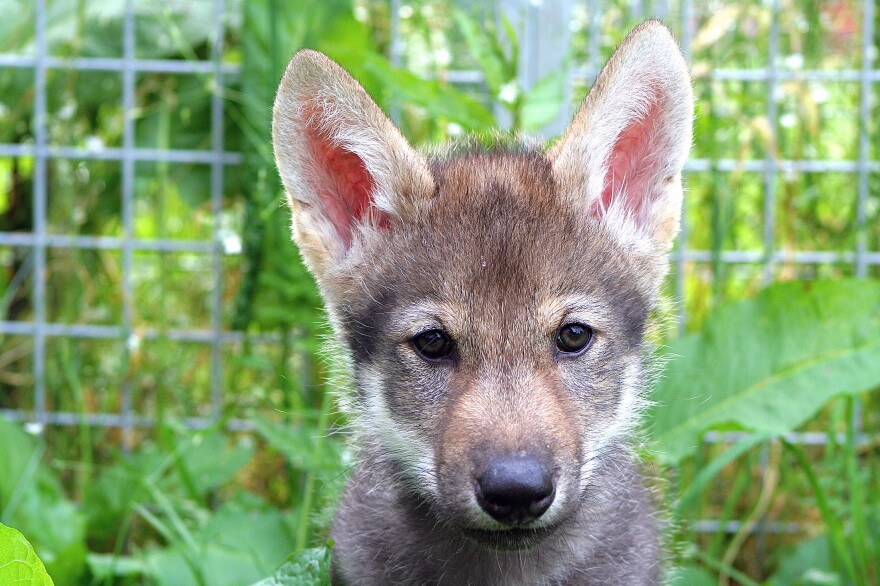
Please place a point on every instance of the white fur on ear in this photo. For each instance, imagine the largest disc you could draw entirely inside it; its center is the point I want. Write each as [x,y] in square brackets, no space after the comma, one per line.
[344,165]
[622,156]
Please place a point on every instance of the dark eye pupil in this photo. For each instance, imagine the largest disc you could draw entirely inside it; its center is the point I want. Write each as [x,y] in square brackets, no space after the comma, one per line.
[573,337]
[433,344]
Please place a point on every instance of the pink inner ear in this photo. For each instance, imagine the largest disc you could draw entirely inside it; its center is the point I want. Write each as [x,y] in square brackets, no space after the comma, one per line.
[345,187]
[633,166]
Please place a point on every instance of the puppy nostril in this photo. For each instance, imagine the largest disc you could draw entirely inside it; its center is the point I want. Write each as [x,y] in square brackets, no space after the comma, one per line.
[515,489]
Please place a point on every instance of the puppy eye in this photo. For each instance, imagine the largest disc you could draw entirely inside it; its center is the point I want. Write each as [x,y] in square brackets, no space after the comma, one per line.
[574,338]
[433,345]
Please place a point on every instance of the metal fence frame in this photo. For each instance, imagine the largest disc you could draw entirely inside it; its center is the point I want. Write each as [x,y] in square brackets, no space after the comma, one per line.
[218,159]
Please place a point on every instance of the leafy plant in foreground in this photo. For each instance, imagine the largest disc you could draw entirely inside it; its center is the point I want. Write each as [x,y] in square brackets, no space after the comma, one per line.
[310,567]
[763,367]
[19,563]
[769,364]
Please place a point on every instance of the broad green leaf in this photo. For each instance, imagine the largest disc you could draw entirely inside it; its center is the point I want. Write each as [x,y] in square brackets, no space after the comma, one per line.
[57,530]
[542,102]
[691,576]
[240,542]
[769,364]
[212,461]
[212,564]
[110,498]
[485,49]
[20,462]
[708,472]
[440,100]
[19,564]
[31,498]
[807,564]
[348,42]
[104,566]
[302,445]
[310,567]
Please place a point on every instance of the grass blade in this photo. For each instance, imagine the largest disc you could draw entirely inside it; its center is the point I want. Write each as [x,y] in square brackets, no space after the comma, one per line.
[835,529]
[705,476]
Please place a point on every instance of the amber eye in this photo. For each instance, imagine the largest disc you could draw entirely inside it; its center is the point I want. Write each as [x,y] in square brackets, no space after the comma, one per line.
[433,345]
[574,338]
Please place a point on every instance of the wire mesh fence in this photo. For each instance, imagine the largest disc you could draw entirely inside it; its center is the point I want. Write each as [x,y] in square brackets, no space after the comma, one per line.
[41,240]
[789,82]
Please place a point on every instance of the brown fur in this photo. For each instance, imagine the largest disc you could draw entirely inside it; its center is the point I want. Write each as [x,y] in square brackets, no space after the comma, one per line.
[498,248]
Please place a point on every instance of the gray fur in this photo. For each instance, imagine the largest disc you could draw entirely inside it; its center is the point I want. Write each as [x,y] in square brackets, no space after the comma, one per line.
[388,536]
[499,247]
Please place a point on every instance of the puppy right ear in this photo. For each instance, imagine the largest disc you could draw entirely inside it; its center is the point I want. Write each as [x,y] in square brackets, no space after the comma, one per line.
[621,159]
[345,167]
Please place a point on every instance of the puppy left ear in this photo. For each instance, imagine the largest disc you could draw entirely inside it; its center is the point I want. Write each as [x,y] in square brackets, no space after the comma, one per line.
[621,158]
[345,167]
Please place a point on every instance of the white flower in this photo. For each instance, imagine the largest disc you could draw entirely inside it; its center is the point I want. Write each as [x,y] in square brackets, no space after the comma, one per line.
[94,143]
[443,57]
[820,94]
[231,243]
[34,427]
[509,92]
[67,111]
[794,61]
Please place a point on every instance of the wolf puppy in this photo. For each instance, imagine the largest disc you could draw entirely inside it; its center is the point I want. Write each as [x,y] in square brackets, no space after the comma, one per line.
[493,307]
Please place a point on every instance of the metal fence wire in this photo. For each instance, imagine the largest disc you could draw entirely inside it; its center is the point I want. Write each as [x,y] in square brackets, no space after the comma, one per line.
[39,240]
[549,32]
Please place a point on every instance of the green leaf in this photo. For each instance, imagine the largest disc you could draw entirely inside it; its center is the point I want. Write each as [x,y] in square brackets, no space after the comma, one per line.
[239,543]
[691,575]
[542,102]
[105,566]
[807,564]
[57,531]
[485,49]
[212,461]
[310,567]
[704,478]
[117,488]
[769,364]
[20,462]
[31,498]
[441,101]
[19,564]
[299,445]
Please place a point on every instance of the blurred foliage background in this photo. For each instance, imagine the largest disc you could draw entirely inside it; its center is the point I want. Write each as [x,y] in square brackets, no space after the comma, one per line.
[224,504]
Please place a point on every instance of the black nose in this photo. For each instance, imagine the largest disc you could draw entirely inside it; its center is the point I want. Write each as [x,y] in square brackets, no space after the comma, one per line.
[515,489]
